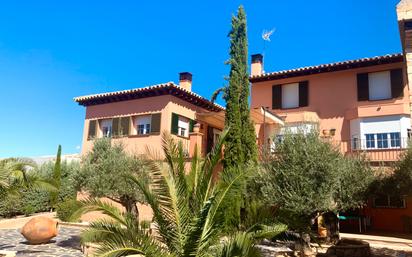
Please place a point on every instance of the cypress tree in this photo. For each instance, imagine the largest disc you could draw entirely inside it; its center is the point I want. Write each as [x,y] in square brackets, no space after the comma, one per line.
[233,144]
[248,135]
[240,144]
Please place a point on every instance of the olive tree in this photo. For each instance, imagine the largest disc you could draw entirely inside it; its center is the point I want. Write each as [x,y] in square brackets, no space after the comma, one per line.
[104,171]
[307,177]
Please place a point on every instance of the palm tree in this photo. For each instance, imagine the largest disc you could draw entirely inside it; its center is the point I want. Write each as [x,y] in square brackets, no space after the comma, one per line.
[187,209]
[17,173]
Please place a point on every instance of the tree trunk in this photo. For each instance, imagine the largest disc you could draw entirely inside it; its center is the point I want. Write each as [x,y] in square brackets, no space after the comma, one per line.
[132,208]
[331,221]
[130,205]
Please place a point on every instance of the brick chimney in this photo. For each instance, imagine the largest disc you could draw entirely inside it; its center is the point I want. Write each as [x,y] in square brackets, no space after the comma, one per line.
[257,64]
[404,13]
[185,80]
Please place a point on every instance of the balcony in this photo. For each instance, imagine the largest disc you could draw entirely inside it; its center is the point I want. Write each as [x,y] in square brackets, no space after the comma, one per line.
[377,155]
[376,151]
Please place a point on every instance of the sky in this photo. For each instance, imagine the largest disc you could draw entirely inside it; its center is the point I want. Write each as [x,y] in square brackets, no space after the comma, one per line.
[52,51]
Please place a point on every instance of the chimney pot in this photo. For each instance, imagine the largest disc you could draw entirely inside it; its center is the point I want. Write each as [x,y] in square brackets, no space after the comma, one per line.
[185,80]
[257,64]
[257,58]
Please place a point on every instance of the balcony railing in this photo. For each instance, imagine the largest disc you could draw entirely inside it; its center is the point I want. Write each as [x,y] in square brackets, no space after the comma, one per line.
[377,150]
[386,150]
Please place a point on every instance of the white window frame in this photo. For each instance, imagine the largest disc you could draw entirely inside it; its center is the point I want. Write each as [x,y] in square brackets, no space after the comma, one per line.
[376,142]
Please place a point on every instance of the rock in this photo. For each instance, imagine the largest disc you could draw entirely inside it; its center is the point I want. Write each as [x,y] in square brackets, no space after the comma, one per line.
[39,230]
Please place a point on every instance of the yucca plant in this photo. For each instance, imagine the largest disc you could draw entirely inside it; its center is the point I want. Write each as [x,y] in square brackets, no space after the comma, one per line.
[188,212]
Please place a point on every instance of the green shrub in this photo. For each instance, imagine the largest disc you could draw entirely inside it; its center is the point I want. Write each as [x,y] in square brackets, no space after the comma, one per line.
[10,206]
[66,208]
[28,210]
[24,202]
[29,201]
[34,200]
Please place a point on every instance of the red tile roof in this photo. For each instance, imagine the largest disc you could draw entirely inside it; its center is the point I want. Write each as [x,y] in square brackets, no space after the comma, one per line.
[168,88]
[330,67]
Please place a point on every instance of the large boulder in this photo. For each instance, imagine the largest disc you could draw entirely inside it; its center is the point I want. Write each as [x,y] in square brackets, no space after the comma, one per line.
[39,230]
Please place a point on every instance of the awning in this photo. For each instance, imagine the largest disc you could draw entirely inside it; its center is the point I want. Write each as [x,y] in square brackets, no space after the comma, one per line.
[215,119]
[258,116]
[261,116]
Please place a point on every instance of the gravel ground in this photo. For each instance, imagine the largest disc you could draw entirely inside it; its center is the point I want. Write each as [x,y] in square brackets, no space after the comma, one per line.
[386,252]
[66,244]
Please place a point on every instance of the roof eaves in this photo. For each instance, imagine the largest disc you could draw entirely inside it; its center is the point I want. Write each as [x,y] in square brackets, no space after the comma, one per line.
[330,67]
[125,95]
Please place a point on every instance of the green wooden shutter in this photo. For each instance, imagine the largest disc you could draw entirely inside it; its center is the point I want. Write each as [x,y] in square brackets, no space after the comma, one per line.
[277,97]
[397,83]
[303,93]
[191,125]
[155,123]
[92,129]
[363,86]
[124,126]
[175,121]
[116,127]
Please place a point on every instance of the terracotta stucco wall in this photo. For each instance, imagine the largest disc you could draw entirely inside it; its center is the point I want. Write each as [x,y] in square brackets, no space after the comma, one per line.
[166,105]
[389,219]
[333,96]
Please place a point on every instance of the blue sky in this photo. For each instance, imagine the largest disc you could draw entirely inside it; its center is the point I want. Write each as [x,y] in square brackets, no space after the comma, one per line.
[51,52]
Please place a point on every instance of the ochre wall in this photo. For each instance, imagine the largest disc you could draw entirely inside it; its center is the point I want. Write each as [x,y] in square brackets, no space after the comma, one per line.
[333,96]
[138,144]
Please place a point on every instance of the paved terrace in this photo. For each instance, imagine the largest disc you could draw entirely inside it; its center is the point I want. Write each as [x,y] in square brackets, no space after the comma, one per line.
[66,244]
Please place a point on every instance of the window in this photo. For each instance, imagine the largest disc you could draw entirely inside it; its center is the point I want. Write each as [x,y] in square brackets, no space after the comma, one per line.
[380,85]
[290,95]
[143,124]
[370,140]
[395,139]
[183,127]
[386,201]
[106,127]
[382,140]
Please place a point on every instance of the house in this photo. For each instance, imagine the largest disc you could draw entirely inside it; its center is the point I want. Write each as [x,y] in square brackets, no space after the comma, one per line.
[138,117]
[361,105]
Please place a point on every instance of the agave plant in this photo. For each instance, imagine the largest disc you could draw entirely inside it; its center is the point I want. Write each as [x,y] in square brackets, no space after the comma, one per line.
[187,212]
